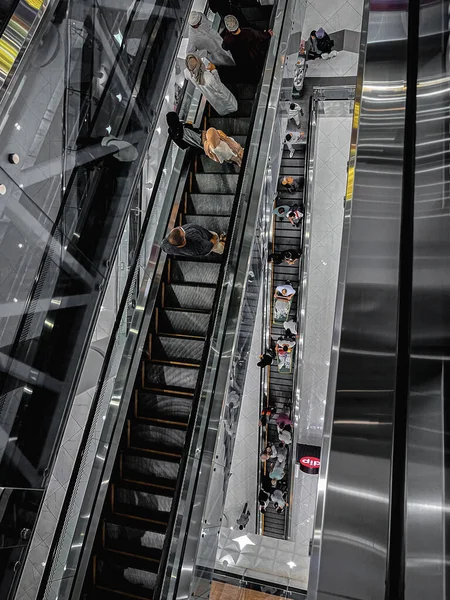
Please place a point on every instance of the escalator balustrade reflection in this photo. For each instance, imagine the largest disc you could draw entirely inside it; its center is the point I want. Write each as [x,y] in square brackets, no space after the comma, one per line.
[134,533]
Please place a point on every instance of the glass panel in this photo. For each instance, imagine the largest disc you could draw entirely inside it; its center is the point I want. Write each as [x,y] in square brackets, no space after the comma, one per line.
[59,231]
[18,512]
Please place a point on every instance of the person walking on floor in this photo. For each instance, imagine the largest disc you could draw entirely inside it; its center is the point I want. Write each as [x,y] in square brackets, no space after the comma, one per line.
[202,37]
[193,240]
[221,148]
[248,47]
[244,518]
[184,135]
[203,74]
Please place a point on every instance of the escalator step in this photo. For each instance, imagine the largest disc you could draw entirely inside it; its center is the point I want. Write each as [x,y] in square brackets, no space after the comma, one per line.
[211,222]
[133,538]
[246,91]
[190,271]
[182,322]
[206,165]
[244,109]
[162,407]
[188,296]
[170,376]
[149,470]
[296,170]
[145,436]
[253,13]
[202,204]
[218,183]
[230,126]
[145,505]
[172,348]
[128,576]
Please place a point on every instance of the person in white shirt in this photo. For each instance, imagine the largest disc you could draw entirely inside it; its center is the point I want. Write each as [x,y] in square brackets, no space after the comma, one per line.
[203,74]
[295,112]
[292,138]
[203,37]
[285,291]
[279,500]
[291,326]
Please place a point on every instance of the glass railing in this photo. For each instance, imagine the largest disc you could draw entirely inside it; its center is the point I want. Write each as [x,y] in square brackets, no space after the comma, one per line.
[64,572]
[64,209]
[59,232]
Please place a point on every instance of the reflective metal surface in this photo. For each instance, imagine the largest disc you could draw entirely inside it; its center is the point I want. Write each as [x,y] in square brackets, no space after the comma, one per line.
[358,526]
[351,530]
[427,488]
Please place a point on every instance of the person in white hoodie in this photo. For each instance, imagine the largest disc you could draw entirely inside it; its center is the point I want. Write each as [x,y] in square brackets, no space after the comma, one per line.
[203,74]
[295,112]
[292,138]
[202,37]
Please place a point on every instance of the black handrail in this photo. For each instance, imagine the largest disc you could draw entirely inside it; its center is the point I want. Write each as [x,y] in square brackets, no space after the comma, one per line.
[102,377]
[395,559]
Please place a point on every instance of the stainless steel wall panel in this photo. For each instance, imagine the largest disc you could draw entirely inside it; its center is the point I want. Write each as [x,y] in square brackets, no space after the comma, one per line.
[351,532]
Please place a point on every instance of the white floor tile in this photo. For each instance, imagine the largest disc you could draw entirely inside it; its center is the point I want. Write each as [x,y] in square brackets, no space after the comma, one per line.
[345,18]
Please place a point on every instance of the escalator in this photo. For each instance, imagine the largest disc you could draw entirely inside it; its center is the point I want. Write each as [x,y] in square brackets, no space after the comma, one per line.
[281,385]
[135,530]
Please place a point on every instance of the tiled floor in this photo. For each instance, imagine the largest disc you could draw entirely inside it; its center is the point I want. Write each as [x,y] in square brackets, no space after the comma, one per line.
[245,463]
[327,211]
[333,16]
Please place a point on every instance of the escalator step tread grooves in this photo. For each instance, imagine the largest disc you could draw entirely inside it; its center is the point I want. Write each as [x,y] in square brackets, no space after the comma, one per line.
[188,296]
[168,348]
[186,271]
[202,204]
[182,322]
[133,529]
[281,384]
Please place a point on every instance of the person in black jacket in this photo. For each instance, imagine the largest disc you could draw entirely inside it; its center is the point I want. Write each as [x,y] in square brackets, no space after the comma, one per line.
[184,135]
[320,45]
[226,7]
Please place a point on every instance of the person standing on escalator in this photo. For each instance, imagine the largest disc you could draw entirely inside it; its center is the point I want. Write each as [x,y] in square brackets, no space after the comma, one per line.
[202,37]
[193,240]
[248,47]
[203,74]
[226,7]
[184,135]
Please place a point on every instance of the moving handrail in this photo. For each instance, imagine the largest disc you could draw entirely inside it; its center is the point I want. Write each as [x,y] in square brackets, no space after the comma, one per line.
[114,391]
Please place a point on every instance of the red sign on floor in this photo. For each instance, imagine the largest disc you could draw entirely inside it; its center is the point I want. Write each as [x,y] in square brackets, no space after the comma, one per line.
[310,462]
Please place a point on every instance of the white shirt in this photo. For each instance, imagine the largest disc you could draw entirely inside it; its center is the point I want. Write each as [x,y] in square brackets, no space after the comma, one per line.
[289,290]
[296,138]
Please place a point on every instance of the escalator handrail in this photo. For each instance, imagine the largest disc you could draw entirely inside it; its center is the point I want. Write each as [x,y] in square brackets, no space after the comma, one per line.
[106,363]
[216,336]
